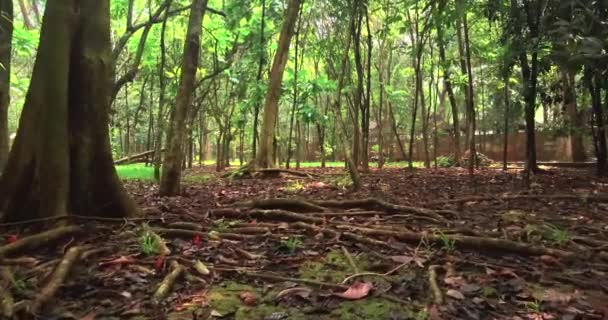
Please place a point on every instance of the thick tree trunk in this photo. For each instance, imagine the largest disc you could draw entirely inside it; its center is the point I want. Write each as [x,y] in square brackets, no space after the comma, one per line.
[158,146]
[601,150]
[6,37]
[265,153]
[61,161]
[256,111]
[176,135]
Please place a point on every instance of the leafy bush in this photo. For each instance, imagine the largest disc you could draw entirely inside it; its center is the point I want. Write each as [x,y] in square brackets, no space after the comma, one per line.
[445,161]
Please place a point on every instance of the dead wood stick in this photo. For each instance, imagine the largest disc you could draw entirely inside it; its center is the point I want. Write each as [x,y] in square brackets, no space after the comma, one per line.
[437,295]
[296,205]
[348,213]
[350,259]
[250,230]
[478,243]
[56,280]
[185,225]
[23,261]
[167,284]
[367,240]
[38,240]
[180,233]
[7,303]
[312,228]
[370,203]
[288,171]
[574,197]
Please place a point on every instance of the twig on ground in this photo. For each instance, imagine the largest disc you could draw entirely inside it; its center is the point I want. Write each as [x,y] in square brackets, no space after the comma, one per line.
[579,197]
[56,280]
[164,288]
[437,295]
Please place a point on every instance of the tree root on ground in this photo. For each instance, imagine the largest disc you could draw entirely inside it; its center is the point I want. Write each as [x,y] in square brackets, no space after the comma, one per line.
[56,280]
[372,203]
[190,234]
[250,171]
[295,205]
[164,288]
[574,197]
[280,215]
[38,240]
[437,295]
[478,243]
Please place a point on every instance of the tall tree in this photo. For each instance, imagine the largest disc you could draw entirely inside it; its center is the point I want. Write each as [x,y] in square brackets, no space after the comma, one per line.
[176,135]
[61,161]
[271,107]
[6,37]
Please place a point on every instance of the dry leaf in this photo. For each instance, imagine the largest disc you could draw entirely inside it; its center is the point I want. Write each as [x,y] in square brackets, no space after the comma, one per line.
[402,259]
[303,292]
[249,298]
[455,294]
[120,261]
[356,291]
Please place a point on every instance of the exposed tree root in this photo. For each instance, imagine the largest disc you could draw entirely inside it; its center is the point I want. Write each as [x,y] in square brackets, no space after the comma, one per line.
[288,171]
[164,288]
[280,215]
[296,205]
[56,280]
[312,228]
[437,295]
[373,203]
[250,171]
[185,225]
[189,234]
[573,197]
[38,240]
[250,230]
[367,240]
[7,303]
[478,243]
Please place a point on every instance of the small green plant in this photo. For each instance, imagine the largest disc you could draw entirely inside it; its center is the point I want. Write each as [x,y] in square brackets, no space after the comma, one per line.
[18,285]
[421,315]
[295,186]
[148,243]
[198,178]
[342,181]
[221,225]
[445,161]
[534,306]
[291,244]
[447,243]
[557,236]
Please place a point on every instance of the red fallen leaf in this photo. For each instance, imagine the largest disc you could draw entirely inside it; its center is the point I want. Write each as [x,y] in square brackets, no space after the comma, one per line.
[11,238]
[549,260]
[120,261]
[356,291]
[253,222]
[501,272]
[249,298]
[196,240]
[159,263]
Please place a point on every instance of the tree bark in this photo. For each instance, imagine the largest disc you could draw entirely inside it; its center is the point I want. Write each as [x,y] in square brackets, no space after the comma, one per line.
[6,37]
[61,161]
[575,121]
[158,146]
[265,152]
[470,97]
[176,135]
[27,21]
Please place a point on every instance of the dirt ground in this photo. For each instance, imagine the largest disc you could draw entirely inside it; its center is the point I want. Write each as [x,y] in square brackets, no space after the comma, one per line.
[421,244]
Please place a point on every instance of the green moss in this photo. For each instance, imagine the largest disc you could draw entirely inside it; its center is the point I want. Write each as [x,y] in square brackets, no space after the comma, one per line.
[370,309]
[225,298]
[198,178]
[332,268]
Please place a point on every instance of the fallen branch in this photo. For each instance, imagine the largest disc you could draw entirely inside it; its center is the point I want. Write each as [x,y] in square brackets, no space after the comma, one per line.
[312,228]
[164,288]
[437,295]
[284,204]
[38,240]
[573,197]
[250,171]
[57,278]
[288,171]
[7,303]
[135,158]
[367,240]
[372,203]
[478,243]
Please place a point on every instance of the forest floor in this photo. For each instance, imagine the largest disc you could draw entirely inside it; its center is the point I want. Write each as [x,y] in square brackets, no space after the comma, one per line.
[438,246]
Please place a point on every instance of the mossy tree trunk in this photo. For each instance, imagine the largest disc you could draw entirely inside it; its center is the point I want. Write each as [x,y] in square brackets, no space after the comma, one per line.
[61,160]
[264,157]
[176,135]
[6,36]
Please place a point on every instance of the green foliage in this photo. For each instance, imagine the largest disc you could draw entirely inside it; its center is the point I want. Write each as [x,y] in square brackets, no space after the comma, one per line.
[148,243]
[557,236]
[445,161]
[447,243]
[291,245]
[294,186]
[135,172]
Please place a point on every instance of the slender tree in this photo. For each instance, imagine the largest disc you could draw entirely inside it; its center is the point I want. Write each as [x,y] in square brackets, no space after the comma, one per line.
[6,36]
[176,136]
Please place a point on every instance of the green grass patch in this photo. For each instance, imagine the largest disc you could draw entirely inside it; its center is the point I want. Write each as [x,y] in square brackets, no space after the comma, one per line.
[136,171]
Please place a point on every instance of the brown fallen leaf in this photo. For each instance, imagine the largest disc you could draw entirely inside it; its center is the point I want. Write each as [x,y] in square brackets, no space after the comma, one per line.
[402,259]
[249,298]
[120,261]
[356,291]
[302,292]
[455,294]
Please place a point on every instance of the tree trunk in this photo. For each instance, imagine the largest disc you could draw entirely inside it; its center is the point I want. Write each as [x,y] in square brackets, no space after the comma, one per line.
[256,111]
[61,161]
[265,152]
[575,121]
[295,92]
[171,175]
[158,146]
[507,103]
[366,115]
[601,150]
[470,97]
[6,37]
[27,22]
